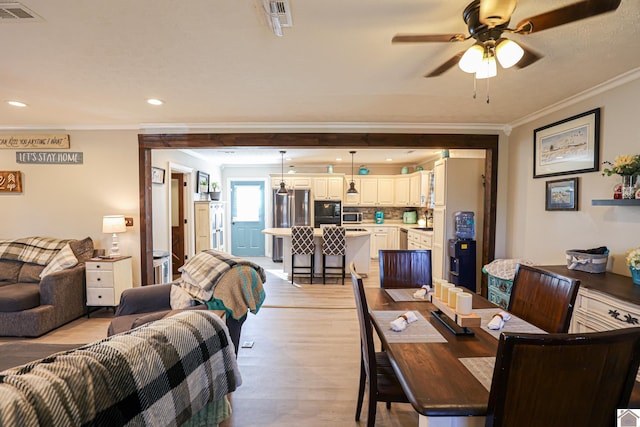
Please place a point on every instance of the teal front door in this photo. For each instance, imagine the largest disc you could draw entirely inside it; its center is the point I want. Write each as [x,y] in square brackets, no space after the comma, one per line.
[247,218]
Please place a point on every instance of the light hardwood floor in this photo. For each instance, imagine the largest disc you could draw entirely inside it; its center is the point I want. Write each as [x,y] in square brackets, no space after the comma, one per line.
[304,366]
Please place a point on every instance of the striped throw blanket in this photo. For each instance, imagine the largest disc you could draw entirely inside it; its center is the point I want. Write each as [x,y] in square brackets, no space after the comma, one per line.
[37,250]
[160,374]
[201,274]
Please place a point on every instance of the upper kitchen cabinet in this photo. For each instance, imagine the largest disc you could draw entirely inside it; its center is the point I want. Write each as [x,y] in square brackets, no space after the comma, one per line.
[403,191]
[292,181]
[376,191]
[328,188]
[412,189]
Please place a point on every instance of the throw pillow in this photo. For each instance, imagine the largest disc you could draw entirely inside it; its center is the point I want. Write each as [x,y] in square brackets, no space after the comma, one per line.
[63,260]
[83,249]
[180,298]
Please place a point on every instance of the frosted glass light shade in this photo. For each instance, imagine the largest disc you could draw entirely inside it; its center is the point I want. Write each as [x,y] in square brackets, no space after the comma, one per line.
[509,53]
[471,59]
[487,69]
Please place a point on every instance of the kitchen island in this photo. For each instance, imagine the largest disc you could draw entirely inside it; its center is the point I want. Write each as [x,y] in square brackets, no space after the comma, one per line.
[358,250]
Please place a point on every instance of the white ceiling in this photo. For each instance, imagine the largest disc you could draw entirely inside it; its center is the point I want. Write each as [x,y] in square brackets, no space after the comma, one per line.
[93,64]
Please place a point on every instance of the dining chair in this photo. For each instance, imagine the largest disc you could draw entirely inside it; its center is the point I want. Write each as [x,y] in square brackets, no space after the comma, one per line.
[334,244]
[543,298]
[563,379]
[302,244]
[404,268]
[375,367]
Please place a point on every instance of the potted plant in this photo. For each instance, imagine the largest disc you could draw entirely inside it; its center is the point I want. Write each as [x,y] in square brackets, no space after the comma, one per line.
[215,192]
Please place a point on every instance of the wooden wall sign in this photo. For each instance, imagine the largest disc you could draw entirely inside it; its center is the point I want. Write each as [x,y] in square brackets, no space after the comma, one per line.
[50,157]
[10,182]
[35,141]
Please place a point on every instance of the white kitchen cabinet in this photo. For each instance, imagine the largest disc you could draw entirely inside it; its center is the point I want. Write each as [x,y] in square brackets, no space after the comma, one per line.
[392,238]
[385,191]
[418,239]
[415,189]
[292,181]
[107,279]
[209,225]
[457,187]
[368,191]
[328,188]
[385,237]
[402,191]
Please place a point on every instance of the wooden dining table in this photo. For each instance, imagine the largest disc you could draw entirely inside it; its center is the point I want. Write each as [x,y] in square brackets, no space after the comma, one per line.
[438,384]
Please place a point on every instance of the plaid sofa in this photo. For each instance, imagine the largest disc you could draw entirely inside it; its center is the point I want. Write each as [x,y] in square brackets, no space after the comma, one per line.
[31,305]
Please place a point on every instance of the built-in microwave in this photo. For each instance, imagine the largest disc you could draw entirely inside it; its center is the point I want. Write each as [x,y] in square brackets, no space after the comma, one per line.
[351,217]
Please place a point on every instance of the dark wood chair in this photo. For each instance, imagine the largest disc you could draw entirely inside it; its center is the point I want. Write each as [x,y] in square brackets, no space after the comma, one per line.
[543,298]
[375,367]
[404,268]
[563,379]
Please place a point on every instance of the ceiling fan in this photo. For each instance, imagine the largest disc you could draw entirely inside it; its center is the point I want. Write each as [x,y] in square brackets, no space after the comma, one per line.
[487,20]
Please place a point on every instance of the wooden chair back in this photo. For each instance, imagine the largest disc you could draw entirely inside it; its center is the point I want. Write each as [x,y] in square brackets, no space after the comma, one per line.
[543,298]
[366,329]
[404,268]
[563,379]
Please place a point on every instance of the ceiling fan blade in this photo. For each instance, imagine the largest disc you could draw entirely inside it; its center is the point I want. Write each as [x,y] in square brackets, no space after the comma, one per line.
[428,38]
[564,15]
[446,66]
[528,58]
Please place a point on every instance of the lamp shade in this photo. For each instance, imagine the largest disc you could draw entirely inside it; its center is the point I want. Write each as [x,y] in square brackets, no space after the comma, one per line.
[472,59]
[487,69]
[508,53]
[113,224]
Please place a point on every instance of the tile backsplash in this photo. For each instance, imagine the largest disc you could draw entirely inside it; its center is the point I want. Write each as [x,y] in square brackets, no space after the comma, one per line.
[390,213]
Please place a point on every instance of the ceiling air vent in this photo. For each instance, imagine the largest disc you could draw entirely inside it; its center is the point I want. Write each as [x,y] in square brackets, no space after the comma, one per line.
[278,14]
[16,12]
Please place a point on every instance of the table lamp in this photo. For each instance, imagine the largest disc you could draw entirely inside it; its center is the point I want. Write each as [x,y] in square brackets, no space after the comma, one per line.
[113,224]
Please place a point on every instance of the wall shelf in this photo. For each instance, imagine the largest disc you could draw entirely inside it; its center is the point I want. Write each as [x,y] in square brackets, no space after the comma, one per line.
[616,202]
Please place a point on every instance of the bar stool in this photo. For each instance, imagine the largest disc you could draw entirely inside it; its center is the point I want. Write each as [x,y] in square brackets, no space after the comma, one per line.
[333,244]
[302,244]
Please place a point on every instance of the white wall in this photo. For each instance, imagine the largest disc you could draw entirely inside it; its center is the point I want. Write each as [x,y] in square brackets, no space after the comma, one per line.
[542,236]
[69,201]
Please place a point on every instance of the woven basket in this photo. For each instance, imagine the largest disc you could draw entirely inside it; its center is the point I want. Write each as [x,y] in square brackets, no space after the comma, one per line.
[591,263]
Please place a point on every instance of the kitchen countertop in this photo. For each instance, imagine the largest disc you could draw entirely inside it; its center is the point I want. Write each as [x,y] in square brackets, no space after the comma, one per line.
[317,232]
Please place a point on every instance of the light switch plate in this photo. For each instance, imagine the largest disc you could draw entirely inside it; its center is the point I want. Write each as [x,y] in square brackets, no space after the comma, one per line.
[128,221]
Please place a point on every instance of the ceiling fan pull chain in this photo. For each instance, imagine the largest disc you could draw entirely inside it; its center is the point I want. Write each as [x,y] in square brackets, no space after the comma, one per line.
[474,85]
[488,90]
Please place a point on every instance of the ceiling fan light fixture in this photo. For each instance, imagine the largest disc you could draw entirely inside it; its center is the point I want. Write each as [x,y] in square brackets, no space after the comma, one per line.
[496,12]
[472,59]
[509,53]
[488,68]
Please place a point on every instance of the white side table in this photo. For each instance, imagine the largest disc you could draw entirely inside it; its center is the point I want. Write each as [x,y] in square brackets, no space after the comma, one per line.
[106,279]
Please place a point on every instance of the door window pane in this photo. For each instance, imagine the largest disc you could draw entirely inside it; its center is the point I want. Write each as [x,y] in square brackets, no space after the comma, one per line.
[246,207]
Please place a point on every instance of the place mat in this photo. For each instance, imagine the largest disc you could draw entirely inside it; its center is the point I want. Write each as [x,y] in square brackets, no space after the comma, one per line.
[403,294]
[515,324]
[481,368]
[420,331]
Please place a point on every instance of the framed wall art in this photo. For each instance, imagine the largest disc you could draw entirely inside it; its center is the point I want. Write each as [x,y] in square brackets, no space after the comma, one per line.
[562,195]
[203,182]
[568,146]
[157,175]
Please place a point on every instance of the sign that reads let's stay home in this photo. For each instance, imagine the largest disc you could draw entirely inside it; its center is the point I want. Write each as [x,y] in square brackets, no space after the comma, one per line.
[49,157]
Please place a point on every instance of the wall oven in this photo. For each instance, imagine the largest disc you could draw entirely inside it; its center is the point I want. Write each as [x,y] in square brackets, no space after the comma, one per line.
[326,212]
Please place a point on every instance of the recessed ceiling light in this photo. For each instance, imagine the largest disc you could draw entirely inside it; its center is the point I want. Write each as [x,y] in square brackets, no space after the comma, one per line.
[17,103]
[154,101]
[389,160]
[338,159]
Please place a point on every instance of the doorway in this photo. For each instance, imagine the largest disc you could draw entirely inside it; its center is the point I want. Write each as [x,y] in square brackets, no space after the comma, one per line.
[178,254]
[247,218]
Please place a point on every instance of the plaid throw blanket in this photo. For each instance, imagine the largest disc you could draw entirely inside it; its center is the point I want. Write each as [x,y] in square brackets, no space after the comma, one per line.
[37,250]
[201,274]
[160,374]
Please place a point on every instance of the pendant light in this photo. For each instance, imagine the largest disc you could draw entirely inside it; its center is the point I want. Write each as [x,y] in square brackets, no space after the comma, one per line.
[283,187]
[352,184]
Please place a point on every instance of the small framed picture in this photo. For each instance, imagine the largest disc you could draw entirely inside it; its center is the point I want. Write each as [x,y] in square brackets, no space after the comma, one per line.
[203,182]
[157,175]
[562,195]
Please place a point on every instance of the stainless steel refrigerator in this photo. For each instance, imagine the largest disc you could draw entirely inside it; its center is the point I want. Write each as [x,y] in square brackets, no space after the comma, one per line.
[293,208]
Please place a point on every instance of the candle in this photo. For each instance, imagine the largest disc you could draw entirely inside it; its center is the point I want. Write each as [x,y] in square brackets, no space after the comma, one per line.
[452,296]
[463,302]
[444,292]
[438,284]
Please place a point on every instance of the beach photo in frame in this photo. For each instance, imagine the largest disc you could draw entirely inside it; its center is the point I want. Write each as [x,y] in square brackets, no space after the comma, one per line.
[568,146]
[157,175]
[562,195]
